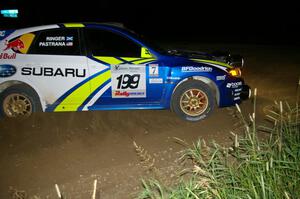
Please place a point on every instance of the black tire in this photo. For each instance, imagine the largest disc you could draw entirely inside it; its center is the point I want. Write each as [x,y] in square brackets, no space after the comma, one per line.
[26,94]
[184,109]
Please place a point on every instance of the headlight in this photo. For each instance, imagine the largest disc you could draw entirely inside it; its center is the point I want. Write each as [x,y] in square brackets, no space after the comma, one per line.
[235,72]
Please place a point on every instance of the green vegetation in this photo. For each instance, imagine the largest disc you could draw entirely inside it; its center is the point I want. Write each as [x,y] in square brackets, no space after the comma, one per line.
[253,167]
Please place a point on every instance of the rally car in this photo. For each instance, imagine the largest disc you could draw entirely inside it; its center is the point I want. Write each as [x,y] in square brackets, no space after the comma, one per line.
[92,66]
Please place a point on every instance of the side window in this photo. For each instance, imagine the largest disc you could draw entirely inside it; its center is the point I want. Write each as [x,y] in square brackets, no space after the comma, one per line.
[105,43]
[57,42]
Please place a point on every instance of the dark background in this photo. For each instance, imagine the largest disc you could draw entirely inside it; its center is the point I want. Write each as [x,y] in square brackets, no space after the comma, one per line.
[206,21]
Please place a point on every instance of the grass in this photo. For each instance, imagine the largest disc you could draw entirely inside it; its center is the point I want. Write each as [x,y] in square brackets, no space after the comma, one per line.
[253,167]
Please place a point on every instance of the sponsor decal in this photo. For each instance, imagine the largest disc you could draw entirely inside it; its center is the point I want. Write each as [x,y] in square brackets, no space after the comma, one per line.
[7,70]
[237,94]
[196,69]
[121,94]
[127,67]
[236,98]
[2,33]
[128,81]
[16,45]
[53,72]
[57,41]
[69,38]
[155,80]
[50,44]
[238,90]
[58,38]
[234,84]
[153,70]
[220,78]
[116,67]
[145,53]
[69,44]
[8,56]
[173,78]
[5,33]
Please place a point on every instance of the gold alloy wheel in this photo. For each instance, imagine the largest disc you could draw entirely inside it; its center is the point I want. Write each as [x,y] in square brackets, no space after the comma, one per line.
[193,102]
[17,105]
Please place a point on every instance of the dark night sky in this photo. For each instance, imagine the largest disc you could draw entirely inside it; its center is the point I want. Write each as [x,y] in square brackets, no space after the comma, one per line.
[224,21]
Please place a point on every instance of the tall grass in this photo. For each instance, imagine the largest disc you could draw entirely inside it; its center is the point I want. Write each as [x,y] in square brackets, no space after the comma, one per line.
[253,167]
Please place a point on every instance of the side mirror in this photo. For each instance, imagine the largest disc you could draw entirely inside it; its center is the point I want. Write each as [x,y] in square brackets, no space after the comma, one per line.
[145,53]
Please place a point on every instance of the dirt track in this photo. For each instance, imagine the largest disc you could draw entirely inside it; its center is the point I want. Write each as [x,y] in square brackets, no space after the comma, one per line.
[73,149]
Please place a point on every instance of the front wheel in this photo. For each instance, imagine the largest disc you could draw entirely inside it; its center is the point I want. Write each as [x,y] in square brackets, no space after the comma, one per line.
[19,101]
[192,100]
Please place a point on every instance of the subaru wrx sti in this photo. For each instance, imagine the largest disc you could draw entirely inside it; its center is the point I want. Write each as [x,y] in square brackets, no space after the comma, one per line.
[90,66]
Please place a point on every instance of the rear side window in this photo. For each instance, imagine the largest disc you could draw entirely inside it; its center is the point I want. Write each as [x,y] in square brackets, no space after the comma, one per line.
[106,43]
[57,42]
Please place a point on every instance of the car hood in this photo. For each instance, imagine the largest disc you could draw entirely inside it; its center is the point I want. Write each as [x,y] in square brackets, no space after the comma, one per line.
[218,56]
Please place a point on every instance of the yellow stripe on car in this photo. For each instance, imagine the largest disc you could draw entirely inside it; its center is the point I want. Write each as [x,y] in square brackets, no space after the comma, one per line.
[73,25]
[143,61]
[129,59]
[116,61]
[109,60]
[83,92]
[145,53]
[212,62]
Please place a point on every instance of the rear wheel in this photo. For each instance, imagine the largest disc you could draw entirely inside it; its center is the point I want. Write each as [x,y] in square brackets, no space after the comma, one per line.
[192,100]
[19,101]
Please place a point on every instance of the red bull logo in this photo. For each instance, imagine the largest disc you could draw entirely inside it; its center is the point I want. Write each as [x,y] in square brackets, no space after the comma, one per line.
[8,56]
[15,45]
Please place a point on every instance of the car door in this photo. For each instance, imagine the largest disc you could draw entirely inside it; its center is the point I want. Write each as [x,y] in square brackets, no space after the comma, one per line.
[55,64]
[122,69]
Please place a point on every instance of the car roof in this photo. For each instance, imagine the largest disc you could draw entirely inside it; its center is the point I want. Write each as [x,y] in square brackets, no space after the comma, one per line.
[114,24]
[111,25]
[94,24]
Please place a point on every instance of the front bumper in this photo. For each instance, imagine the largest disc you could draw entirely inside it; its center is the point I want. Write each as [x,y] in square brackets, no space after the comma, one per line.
[246,92]
[233,91]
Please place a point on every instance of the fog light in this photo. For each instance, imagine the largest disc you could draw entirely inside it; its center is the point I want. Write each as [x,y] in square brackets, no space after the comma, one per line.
[235,72]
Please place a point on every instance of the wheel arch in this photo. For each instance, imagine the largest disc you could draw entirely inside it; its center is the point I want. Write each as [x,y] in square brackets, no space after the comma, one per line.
[8,84]
[212,85]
